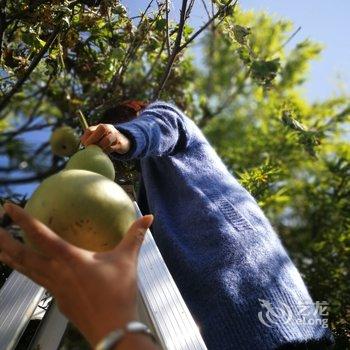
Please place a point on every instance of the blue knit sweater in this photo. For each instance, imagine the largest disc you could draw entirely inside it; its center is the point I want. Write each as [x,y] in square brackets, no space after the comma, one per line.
[231,268]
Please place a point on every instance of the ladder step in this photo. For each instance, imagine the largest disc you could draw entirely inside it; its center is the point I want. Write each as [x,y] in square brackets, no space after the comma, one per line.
[19,297]
[51,330]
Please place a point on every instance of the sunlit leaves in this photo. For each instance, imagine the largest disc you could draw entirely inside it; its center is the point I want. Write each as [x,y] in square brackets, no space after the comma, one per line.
[240,33]
[264,72]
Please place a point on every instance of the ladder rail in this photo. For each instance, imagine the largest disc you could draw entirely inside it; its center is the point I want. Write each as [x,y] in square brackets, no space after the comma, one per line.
[160,303]
[171,318]
[19,298]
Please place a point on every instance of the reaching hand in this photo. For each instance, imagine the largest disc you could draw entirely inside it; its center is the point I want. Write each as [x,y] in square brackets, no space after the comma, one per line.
[107,137]
[96,291]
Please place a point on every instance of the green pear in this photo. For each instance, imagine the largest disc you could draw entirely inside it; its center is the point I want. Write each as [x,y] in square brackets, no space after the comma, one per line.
[92,158]
[64,141]
[84,208]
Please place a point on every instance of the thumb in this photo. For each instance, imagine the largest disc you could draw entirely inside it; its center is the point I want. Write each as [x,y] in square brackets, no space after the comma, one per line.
[87,132]
[132,241]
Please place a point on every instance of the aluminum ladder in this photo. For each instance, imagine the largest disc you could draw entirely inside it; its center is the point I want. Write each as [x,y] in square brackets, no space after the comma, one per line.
[162,308]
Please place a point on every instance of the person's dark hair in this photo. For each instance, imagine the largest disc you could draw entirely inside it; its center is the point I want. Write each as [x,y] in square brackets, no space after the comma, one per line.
[123,112]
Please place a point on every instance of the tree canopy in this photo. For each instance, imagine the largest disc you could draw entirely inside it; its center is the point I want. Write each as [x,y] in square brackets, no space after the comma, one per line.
[61,57]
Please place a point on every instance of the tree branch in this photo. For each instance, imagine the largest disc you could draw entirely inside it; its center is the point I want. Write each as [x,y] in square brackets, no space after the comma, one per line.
[167,26]
[131,51]
[37,152]
[156,60]
[206,8]
[224,104]
[25,128]
[221,11]
[3,23]
[338,118]
[178,47]
[175,51]
[5,101]
[29,179]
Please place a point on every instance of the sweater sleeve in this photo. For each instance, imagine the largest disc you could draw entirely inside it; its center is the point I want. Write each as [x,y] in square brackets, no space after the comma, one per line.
[160,130]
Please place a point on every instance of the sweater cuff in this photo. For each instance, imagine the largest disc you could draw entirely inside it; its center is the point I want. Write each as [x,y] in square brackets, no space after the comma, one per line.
[136,138]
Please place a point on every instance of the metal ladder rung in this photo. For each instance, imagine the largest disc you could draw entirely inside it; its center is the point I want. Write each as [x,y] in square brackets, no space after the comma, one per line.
[19,297]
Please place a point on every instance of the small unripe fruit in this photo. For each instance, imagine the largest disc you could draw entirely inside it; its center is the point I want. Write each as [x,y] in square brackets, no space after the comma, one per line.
[64,141]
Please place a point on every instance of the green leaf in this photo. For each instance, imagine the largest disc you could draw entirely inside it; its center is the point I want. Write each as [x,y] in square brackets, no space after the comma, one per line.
[264,72]
[240,33]
[160,24]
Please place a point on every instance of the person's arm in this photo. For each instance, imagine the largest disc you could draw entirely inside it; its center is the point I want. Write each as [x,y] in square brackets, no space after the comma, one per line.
[96,291]
[161,129]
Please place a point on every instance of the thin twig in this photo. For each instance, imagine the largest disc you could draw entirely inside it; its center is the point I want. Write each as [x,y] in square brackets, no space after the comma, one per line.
[84,124]
[156,60]
[167,27]
[5,101]
[338,118]
[189,9]
[225,104]
[3,23]
[35,154]
[206,8]
[178,47]
[26,126]
[175,51]
[22,130]
[289,39]
[207,24]
[8,77]
[130,52]
[29,179]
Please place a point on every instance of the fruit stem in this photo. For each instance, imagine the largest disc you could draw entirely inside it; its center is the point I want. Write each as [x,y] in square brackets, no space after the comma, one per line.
[83,122]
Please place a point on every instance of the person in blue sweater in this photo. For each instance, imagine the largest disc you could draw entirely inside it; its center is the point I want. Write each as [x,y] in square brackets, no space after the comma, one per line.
[232,270]
[221,250]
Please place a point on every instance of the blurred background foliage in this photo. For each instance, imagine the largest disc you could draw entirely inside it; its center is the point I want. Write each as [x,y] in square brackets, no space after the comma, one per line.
[292,155]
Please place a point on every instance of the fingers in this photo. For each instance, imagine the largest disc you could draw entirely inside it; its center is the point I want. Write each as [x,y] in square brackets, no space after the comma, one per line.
[88,131]
[133,239]
[98,134]
[107,141]
[39,234]
[19,257]
[107,137]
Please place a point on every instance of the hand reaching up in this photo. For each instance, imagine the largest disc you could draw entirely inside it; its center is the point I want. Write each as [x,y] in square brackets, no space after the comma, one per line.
[96,291]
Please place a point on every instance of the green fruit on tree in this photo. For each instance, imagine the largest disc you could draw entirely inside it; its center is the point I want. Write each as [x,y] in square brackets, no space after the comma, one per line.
[84,208]
[92,158]
[64,141]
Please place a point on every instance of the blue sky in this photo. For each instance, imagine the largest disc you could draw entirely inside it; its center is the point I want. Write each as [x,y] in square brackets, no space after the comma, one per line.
[325,22]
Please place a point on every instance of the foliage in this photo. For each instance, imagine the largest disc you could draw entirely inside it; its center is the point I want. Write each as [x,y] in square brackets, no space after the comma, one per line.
[60,57]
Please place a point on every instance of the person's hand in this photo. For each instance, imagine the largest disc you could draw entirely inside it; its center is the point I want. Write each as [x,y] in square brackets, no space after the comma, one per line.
[96,291]
[107,137]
